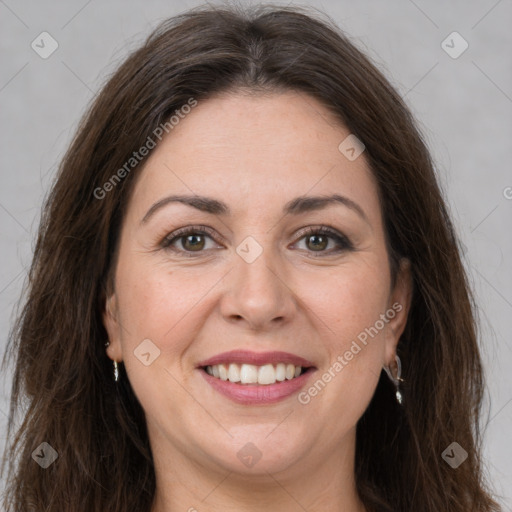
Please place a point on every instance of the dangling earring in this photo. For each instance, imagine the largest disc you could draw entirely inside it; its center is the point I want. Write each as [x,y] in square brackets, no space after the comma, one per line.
[396,381]
[116,368]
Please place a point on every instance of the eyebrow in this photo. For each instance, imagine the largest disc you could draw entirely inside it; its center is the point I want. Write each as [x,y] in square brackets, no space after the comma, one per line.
[297,206]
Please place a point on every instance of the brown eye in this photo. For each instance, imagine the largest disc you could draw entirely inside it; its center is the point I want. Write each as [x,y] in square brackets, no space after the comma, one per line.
[193,242]
[317,242]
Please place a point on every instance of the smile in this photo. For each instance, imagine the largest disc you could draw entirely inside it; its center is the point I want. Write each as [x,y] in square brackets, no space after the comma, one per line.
[256,378]
[252,374]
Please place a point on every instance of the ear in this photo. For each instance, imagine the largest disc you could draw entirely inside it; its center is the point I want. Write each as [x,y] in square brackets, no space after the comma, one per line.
[113,328]
[399,306]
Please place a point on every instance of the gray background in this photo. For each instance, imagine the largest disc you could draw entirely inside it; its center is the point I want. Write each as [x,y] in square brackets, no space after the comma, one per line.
[463,105]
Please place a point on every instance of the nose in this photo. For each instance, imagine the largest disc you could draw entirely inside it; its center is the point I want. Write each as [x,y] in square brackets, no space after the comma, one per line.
[258,294]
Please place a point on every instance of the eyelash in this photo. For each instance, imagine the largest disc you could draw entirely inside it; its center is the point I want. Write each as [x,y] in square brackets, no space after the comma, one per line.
[342,240]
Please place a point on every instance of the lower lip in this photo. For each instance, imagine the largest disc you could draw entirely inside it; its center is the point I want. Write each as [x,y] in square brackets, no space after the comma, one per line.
[254,394]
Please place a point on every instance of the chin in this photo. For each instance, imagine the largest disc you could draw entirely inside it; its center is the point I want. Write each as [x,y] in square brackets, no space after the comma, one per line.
[256,452]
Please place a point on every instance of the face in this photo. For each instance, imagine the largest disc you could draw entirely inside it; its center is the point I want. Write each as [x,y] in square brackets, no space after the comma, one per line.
[254,269]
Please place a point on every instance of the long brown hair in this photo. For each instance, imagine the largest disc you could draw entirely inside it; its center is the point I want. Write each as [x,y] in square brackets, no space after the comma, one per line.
[62,373]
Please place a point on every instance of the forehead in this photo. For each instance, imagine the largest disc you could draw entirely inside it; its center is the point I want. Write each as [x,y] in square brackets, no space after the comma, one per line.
[256,152]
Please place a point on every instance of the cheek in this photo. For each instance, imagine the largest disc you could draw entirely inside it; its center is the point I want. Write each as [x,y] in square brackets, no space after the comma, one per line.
[346,382]
[354,332]
[148,305]
[167,306]
[357,296]
[156,305]
[153,297]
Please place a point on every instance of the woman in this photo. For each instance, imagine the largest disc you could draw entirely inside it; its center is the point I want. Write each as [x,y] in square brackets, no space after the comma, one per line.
[245,232]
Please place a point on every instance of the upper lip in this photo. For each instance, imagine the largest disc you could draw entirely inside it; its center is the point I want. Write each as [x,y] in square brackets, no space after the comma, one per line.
[255,358]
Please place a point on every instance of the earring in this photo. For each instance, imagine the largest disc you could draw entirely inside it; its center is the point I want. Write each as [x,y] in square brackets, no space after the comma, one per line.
[116,368]
[396,380]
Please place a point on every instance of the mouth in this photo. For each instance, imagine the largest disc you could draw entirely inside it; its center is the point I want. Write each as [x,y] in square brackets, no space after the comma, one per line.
[251,378]
[246,374]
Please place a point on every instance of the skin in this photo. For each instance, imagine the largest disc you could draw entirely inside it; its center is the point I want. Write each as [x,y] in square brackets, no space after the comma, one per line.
[255,153]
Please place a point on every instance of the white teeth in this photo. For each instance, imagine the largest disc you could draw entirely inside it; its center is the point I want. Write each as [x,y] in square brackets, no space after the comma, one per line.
[251,374]
[248,374]
[234,373]
[280,372]
[223,372]
[266,374]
